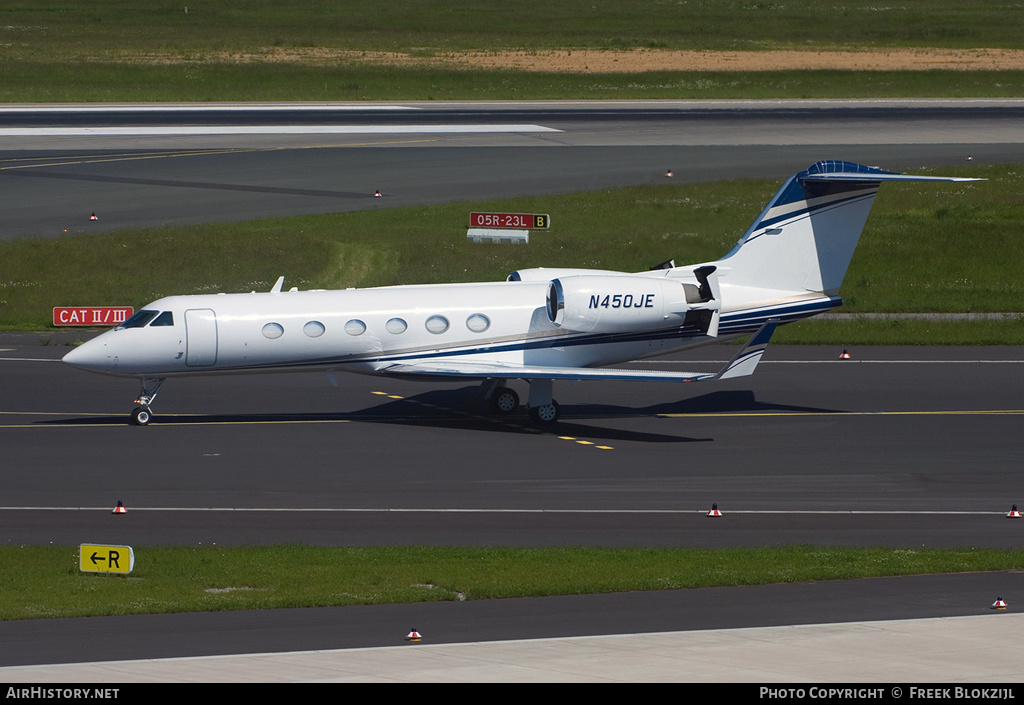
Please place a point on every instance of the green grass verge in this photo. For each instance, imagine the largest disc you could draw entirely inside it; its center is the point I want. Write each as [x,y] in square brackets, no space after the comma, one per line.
[927,247]
[152,50]
[46,581]
[901,332]
[35,82]
[87,27]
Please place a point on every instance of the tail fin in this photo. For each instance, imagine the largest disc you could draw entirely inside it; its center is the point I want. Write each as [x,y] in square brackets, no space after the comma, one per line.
[805,237]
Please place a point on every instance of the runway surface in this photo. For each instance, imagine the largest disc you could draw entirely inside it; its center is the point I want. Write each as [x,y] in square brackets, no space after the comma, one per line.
[234,163]
[899,447]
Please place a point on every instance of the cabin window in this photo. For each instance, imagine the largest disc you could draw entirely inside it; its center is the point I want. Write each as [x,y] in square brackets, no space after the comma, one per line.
[314,329]
[164,319]
[273,330]
[478,323]
[396,326]
[355,327]
[140,319]
[437,324]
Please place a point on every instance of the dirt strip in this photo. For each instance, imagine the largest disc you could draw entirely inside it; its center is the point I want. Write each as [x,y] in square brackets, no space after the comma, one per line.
[647,60]
[636,60]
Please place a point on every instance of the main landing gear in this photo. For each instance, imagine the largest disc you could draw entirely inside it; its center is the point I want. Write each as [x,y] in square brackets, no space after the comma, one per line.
[141,415]
[502,400]
[545,413]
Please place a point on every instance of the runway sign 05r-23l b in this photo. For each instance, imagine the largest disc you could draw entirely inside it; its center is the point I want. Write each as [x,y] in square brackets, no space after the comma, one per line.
[518,221]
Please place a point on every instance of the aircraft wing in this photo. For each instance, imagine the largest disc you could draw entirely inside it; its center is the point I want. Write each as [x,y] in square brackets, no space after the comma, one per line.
[742,364]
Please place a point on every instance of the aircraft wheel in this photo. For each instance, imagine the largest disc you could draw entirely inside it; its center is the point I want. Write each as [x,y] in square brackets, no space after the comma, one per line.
[504,401]
[141,416]
[546,413]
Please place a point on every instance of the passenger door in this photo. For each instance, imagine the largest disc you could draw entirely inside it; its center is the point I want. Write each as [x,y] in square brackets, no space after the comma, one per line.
[200,337]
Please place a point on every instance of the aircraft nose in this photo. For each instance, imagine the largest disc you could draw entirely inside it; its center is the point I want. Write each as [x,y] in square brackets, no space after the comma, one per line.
[91,356]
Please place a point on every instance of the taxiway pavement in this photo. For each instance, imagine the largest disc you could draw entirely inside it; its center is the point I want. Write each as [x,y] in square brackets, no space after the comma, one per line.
[899,447]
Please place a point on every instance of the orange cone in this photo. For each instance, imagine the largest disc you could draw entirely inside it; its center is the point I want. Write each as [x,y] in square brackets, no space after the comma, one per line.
[999,604]
[119,509]
[93,217]
[376,194]
[714,511]
[413,636]
[668,174]
[1014,514]
[845,355]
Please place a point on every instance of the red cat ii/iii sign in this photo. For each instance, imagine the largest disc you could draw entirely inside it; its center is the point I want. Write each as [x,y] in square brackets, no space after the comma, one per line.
[91,315]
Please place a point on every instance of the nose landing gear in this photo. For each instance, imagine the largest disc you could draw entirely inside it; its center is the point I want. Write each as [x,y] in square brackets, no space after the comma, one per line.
[141,415]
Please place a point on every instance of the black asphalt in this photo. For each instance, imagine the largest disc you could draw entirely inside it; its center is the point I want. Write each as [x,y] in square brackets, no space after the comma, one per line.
[266,631]
[555,113]
[903,446]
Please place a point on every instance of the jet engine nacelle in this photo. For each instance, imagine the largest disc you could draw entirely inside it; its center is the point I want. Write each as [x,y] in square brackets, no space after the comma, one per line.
[613,304]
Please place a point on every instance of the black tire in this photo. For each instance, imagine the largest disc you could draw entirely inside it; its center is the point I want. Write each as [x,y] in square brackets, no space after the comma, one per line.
[141,416]
[546,413]
[504,401]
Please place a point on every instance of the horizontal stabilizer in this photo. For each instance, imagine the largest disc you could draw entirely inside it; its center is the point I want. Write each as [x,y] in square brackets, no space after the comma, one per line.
[833,170]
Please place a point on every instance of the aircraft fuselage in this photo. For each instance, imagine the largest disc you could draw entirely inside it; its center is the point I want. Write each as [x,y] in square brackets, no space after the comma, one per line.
[367,330]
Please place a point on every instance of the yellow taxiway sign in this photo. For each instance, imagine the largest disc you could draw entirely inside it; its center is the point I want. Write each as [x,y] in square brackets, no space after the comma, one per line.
[100,558]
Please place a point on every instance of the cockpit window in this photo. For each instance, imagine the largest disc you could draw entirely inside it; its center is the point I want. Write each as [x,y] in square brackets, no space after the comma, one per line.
[140,319]
[164,319]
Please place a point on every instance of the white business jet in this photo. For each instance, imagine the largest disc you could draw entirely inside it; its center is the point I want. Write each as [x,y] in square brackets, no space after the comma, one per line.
[539,325]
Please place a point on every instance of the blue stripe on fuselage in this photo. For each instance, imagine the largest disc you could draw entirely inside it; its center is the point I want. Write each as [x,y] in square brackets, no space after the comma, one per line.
[734,323]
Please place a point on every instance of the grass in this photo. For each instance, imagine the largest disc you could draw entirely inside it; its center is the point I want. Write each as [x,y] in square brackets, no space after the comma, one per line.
[901,332]
[87,27]
[135,50]
[36,82]
[936,248]
[45,581]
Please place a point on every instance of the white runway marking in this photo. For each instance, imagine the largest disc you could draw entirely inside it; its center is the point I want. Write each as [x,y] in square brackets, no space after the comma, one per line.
[409,510]
[719,362]
[844,362]
[196,130]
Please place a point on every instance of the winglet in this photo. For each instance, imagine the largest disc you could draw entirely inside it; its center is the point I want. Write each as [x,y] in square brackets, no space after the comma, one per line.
[746,359]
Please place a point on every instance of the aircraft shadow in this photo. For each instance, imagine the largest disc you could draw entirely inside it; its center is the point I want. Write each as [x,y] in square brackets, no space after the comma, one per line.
[720,402]
[463,409]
